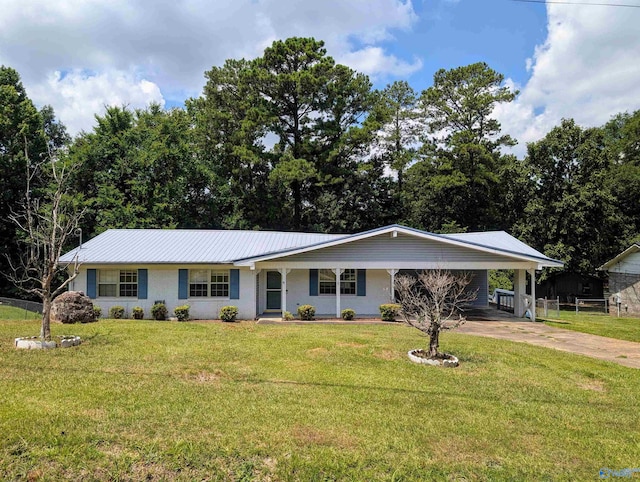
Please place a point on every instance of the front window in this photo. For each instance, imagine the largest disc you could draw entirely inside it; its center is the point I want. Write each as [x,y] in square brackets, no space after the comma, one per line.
[198,282]
[348,282]
[327,282]
[118,283]
[219,283]
[205,283]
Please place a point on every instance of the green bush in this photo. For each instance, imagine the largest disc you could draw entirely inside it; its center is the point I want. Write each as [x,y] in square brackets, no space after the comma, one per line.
[159,311]
[306,312]
[116,312]
[137,313]
[97,312]
[228,313]
[287,316]
[182,312]
[389,311]
[348,314]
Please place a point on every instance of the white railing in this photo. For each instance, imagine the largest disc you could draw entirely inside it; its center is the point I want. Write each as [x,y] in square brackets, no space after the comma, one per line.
[505,301]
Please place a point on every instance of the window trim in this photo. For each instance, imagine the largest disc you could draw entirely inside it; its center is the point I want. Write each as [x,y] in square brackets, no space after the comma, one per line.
[343,282]
[118,283]
[226,273]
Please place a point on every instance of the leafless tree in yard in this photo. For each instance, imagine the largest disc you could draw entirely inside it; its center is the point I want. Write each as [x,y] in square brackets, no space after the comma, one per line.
[433,302]
[49,217]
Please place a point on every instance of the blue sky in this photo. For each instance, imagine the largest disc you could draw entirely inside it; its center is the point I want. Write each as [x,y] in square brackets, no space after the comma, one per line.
[450,34]
[573,61]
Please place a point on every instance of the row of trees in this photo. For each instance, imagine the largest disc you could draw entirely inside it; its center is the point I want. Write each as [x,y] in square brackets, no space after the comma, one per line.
[294,141]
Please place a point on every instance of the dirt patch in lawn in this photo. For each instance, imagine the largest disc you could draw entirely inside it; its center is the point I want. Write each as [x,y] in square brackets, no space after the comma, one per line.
[306,435]
[387,355]
[205,377]
[593,385]
[319,351]
[350,345]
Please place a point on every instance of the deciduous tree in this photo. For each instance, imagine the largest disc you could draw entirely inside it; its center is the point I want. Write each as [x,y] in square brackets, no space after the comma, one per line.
[50,215]
[136,169]
[433,302]
[572,213]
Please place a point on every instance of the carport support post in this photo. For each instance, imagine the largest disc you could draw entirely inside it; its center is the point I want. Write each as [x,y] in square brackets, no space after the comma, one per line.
[338,273]
[519,290]
[532,273]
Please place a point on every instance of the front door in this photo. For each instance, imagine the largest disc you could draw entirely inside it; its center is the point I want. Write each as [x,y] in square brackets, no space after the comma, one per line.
[274,291]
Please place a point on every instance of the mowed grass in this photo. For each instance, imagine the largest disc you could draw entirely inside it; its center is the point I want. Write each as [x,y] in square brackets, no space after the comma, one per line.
[13,313]
[144,400]
[597,324]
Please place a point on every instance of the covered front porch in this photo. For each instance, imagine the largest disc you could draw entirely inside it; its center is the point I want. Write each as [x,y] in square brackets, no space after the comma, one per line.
[330,290]
[359,271]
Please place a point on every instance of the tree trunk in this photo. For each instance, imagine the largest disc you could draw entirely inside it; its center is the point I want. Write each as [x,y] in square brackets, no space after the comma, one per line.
[297,205]
[434,343]
[45,330]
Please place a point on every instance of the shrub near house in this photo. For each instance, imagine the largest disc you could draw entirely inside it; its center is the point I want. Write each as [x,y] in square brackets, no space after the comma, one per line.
[182,312]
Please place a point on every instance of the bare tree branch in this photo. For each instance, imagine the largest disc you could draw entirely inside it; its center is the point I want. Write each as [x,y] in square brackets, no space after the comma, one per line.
[48,218]
[433,302]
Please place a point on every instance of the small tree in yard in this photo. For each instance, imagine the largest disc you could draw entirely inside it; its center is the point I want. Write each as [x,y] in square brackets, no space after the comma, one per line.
[432,302]
[49,216]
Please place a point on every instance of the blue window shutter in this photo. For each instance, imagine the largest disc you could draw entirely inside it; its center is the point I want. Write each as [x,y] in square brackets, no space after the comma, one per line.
[234,284]
[313,282]
[91,283]
[142,284]
[362,282]
[183,284]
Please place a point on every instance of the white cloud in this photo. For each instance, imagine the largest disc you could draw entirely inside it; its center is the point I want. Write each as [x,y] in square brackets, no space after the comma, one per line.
[171,44]
[77,96]
[375,62]
[587,69]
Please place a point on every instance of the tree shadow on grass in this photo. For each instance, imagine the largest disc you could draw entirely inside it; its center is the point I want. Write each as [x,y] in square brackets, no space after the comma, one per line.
[433,391]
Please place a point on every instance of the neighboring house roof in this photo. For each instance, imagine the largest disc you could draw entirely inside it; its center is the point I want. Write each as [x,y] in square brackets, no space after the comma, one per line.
[634,248]
[247,247]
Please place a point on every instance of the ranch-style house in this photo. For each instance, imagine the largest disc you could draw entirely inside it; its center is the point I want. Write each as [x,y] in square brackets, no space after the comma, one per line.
[264,272]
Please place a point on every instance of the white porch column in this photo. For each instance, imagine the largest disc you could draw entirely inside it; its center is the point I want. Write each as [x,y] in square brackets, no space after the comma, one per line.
[532,273]
[256,289]
[283,292]
[392,287]
[338,272]
[519,290]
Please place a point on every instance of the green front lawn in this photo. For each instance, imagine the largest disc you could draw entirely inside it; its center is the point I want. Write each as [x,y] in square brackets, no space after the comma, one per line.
[12,313]
[196,401]
[603,325]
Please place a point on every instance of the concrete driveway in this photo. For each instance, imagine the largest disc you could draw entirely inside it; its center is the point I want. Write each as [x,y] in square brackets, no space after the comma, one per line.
[625,353]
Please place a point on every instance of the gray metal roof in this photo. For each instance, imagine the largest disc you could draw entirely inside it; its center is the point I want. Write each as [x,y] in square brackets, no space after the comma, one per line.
[152,246]
[188,246]
[497,239]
